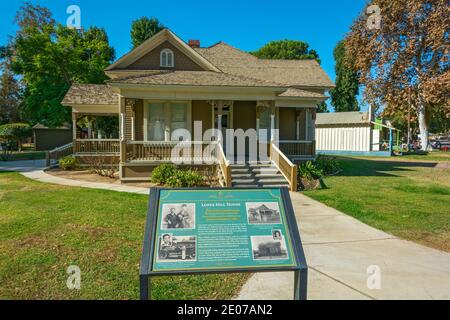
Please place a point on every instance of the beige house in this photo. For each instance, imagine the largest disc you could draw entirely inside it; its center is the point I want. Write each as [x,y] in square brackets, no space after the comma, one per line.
[166,84]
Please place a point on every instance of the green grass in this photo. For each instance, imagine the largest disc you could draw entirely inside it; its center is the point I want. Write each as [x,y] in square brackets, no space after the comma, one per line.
[407,199]
[428,156]
[45,228]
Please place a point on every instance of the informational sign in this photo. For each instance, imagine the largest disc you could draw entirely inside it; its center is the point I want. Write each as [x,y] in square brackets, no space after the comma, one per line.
[220,230]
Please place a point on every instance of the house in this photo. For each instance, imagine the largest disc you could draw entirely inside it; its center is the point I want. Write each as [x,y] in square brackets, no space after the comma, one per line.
[166,84]
[353,133]
[46,138]
[263,214]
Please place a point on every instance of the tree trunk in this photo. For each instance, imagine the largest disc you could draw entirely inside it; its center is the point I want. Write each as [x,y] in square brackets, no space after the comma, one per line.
[423,126]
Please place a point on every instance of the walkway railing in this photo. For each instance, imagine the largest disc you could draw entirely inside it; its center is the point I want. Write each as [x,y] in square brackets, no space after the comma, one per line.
[298,148]
[286,167]
[90,146]
[52,157]
[225,166]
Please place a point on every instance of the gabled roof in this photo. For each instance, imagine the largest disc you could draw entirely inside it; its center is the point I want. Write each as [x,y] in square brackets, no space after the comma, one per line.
[195,78]
[343,118]
[296,73]
[157,39]
[90,94]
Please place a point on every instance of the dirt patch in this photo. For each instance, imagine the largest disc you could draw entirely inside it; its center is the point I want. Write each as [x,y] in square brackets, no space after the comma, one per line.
[87,175]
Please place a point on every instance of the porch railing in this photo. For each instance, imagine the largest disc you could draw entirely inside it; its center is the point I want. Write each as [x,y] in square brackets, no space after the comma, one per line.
[225,166]
[90,146]
[298,148]
[52,157]
[191,151]
[286,167]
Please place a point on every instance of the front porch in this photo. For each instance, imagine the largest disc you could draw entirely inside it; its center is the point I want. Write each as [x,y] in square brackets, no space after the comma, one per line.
[149,131]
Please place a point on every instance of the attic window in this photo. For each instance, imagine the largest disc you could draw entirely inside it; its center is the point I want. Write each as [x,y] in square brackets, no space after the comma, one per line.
[166,58]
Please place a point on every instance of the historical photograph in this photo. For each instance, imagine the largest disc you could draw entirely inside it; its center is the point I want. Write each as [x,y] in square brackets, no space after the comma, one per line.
[263,212]
[177,248]
[178,216]
[276,234]
[266,248]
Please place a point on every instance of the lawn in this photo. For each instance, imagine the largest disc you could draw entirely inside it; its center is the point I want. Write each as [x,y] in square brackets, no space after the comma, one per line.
[409,199]
[45,228]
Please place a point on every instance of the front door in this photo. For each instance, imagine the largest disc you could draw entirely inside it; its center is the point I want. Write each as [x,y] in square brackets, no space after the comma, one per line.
[226,122]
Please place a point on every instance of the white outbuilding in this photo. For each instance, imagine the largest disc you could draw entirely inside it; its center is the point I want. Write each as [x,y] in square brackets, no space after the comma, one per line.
[352,133]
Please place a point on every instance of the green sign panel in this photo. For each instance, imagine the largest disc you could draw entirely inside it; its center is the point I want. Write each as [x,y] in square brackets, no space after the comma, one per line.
[221,229]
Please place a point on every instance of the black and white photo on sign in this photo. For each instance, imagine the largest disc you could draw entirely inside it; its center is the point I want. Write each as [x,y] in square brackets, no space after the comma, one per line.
[276,234]
[178,216]
[263,212]
[266,248]
[177,248]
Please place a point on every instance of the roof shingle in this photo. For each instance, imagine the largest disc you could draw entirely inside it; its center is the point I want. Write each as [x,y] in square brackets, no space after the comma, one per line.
[98,94]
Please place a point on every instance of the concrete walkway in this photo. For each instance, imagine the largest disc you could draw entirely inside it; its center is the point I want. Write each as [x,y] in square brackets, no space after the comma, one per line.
[338,248]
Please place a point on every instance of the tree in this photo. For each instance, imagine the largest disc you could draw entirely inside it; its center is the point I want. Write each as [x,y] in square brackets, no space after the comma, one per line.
[290,50]
[408,53]
[322,107]
[15,132]
[9,95]
[49,57]
[286,49]
[143,29]
[343,96]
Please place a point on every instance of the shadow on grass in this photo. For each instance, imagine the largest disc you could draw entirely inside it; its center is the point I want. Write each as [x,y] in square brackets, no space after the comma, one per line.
[353,167]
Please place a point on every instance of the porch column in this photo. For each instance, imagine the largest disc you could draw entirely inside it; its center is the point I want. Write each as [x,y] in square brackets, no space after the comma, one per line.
[122,130]
[74,131]
[89,128]
[297,119]
[272,123]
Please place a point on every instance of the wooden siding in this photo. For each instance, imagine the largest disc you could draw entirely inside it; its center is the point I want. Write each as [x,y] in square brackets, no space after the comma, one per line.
[343,138]
[151,61]
[202,111]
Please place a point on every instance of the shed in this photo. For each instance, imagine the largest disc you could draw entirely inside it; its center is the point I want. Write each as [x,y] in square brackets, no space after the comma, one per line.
[351,133]
[46,138]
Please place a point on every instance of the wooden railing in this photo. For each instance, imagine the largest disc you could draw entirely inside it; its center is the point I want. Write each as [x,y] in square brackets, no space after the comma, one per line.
[52,157]
[286,167]
[91,146]
[298,148]
[224,165]
[171,151]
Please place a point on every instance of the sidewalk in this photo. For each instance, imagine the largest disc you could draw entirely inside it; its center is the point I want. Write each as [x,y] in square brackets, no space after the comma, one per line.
[338,249]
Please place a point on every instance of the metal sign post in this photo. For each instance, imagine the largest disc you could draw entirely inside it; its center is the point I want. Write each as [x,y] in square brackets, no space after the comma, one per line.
[253,230]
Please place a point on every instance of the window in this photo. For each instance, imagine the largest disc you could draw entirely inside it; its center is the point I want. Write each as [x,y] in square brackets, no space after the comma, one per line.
[161,119]
[156,124]
[166,58]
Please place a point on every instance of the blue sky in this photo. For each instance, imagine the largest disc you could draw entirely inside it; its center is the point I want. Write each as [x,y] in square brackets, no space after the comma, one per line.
[246,24]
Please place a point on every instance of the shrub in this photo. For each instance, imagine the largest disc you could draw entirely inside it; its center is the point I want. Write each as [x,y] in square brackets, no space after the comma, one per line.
[328,165]
[185,179]
[15,132]
[162,173]
[68,163]
[309,171]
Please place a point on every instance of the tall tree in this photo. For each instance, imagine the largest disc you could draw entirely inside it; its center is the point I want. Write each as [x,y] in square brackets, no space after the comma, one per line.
[143,29]
[290,50]
[9,92]
[343,96]
[408,53]
[287,49]
[50,57]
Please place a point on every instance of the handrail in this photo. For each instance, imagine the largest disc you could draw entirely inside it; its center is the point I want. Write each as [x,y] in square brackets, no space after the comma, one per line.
[98,140]
[224,165]
[285,166]
[54,155]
